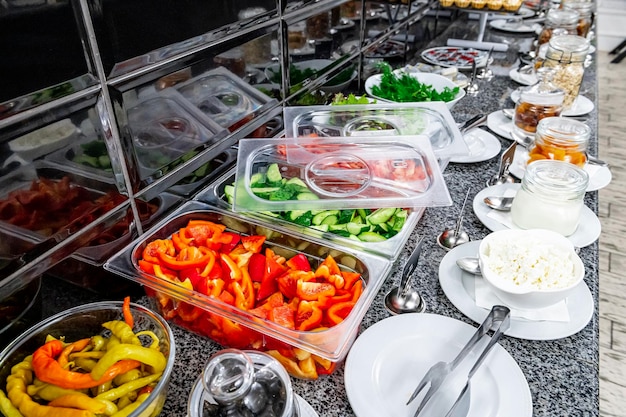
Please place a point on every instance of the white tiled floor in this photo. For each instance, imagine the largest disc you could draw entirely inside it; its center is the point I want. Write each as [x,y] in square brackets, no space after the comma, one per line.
[612,147]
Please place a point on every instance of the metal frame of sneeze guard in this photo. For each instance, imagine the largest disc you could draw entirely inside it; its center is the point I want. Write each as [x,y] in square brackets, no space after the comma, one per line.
[426,118]
[340,173]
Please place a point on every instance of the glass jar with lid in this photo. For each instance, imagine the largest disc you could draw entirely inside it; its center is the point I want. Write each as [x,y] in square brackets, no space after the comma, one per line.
[551,197]
[562,139]
[567,54]
[538,101]
[585,11]
[242,383]
[565,19]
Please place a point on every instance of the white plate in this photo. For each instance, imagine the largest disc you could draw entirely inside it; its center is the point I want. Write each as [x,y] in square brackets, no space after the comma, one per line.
[582,105]
[506,26]
[524,79]
[599,176]
[387,361]
[450,56]
[499,124]
[305,408]
[459,288]
[482,147]
[588,230]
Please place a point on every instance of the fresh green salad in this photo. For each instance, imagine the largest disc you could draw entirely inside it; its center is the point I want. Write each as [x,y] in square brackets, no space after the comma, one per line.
[367,225]
[403,88]
[340,99]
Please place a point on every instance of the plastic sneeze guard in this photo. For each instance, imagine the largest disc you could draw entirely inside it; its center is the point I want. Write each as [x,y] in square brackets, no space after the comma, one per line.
[430,119]
[337,173]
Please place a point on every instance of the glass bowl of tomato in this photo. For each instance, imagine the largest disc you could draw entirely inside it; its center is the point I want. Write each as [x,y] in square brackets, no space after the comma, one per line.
[248,285]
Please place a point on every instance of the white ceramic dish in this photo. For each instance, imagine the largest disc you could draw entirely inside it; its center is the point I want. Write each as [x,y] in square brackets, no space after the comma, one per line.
[387,361]
[588,230]
[482,147]
[512,27]
[45,140]
[305,408]
[499,124]
[599,176]
[524,79]
[438,82]
[581,106]
[526,295]
[459,288]
[450,56]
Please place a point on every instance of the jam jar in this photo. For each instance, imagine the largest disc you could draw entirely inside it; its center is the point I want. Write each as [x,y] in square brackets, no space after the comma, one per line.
[242,383]
[585,11]
[561,139]
[566,19]
[538,101]
[567,54]
[551,197]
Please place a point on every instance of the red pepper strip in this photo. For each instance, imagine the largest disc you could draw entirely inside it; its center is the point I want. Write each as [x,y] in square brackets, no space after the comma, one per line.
[48,370]
[327,268]
[357,290]
[184,239]
[299,262]
[272,271]
[326,302]
[230,267]
[164,273]
[128,316]
[146,266]
[284,316]
[153,249]
[253,243]
[244,292]
[179,242]
[189,257]
[350,278]
[215,226]
[338,312]
[188,312]
[312,291]
[75,346]
[309,315]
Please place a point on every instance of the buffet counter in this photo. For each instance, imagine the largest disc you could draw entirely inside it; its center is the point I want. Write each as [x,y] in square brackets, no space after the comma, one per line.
[562,374]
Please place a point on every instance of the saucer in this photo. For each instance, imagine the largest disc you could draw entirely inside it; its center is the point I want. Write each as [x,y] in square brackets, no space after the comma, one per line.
[459,288]
[305,408]
[524,79]
[588,230]
[582,105]
[512,27]
[482,147]
[499,124]
[599,176]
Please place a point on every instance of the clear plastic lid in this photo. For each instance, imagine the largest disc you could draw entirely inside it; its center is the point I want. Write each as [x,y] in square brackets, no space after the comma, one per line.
[431,120]
[338,173]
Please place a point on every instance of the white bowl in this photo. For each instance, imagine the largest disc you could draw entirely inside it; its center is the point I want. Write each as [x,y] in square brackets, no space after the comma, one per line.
[526,255]
[439,82]
[45,140]
[317,65]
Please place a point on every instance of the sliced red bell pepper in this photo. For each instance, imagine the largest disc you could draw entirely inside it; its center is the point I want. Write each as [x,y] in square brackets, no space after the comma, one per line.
[253,243]
[309,316]
[256,267]
[338,312]
[244,293]
[312,291]
[229,246]
[153,249]
[146,266]
[192,274]
[188,312]
[350,278]
[299,262]
[164,273]
[357,290]
[230,268]
[210,287]
[327,267]
[272,271]
[189,257]
[284,316]
[340,296]
[227,298]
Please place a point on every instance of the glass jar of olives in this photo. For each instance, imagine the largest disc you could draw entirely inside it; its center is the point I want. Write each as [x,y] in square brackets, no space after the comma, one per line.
[538,101]
[242,383]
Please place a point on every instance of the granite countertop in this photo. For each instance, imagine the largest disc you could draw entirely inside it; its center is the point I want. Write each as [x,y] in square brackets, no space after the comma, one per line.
[562,374]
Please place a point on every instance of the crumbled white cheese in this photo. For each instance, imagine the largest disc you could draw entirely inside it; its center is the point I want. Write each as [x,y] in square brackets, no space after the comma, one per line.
[530,263]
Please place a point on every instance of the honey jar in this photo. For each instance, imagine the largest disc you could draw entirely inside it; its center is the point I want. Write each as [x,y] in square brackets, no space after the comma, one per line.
[538,101]
[551,197]
[561,139]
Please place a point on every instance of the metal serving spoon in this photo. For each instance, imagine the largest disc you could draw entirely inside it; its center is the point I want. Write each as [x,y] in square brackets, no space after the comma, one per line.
[499,203]
[469,264]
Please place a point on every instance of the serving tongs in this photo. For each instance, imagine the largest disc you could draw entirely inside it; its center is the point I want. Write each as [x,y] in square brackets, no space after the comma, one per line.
[498,319]
[404,299]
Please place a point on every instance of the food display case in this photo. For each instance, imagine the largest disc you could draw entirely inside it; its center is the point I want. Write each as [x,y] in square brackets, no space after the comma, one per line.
[234,326]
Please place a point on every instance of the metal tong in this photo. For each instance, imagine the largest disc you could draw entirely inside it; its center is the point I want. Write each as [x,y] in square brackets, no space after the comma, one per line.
[498,318]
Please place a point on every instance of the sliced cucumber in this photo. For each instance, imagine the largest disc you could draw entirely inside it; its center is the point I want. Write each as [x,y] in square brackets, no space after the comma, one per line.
[297,181]
[321,227]
[294,214]
[319,218]
[381,215]
[371,237]
[307,196]
[273,174]
[265,190]
[330,220]
[258,180]
[356,228]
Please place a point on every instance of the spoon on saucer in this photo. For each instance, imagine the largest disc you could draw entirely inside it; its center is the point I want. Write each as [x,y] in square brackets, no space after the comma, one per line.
[499,203]
[469,264]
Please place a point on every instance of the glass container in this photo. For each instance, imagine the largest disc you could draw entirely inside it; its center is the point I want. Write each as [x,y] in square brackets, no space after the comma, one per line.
[567,54]
[561,139]
[566,19]
[551,197]
[585,11]
[538,101]
[243,383]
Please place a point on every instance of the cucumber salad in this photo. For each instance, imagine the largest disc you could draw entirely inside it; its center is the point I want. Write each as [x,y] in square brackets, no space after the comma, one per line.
[367,225]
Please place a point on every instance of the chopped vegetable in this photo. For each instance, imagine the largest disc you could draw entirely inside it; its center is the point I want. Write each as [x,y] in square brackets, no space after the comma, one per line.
[339,99]
[404,88]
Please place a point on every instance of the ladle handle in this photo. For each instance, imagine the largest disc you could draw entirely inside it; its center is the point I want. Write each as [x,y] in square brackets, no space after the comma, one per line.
[409,267]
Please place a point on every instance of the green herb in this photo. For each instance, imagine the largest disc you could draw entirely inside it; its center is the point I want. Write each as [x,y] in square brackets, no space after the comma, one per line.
[404,88]
[339,99]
